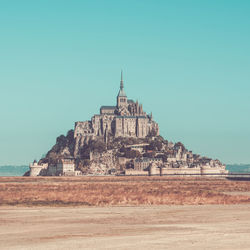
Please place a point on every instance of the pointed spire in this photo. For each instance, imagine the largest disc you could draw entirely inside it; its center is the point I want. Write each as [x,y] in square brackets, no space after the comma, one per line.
[121,91]
[121,84]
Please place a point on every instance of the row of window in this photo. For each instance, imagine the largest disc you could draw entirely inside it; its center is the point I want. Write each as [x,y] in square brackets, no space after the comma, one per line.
[122,99]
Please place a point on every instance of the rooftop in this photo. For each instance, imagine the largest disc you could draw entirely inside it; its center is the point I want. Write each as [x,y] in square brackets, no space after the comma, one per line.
[122,93]
[108,107]
[119,116]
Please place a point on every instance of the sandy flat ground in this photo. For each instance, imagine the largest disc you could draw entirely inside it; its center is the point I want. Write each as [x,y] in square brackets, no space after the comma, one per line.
[145,227]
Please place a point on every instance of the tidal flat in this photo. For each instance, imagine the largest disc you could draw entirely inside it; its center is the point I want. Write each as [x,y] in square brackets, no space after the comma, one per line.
[126,227]
[120,191]
[124,213]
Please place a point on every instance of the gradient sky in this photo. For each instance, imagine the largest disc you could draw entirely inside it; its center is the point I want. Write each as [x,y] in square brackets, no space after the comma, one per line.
[187,61]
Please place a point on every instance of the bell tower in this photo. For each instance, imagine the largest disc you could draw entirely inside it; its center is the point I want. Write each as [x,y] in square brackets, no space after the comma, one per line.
[122,97]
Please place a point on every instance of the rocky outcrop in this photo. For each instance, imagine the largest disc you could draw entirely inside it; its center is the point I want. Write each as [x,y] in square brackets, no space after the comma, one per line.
[118,154]
[64,147]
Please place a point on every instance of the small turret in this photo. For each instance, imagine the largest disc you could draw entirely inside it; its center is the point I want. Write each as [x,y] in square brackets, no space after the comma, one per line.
[137,107]
[140,109]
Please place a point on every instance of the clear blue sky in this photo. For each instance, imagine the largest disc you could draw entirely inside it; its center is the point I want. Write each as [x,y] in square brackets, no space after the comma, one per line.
[187,61]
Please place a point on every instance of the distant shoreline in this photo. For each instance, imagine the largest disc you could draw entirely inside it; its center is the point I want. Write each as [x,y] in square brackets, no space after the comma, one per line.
[9,170]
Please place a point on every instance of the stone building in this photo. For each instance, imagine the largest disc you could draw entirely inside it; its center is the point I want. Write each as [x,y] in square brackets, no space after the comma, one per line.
[65,166]
[37,169]
[142,164]
[139,147]
[126,119]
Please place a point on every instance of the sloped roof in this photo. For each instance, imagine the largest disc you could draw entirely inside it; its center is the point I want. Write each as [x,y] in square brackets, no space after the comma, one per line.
[122,93]
[120,116]
[108,107]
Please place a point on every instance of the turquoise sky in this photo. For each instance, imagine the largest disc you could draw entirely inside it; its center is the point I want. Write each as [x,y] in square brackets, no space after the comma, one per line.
[187,61]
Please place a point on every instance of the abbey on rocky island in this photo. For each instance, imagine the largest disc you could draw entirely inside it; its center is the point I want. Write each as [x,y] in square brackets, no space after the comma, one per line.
[126,119]
[122,139]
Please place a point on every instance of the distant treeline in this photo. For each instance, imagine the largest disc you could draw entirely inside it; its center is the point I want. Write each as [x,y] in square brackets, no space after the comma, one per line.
[13,170]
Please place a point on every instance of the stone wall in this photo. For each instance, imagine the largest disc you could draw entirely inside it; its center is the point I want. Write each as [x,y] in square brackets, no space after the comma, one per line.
[154,170]
[135,172]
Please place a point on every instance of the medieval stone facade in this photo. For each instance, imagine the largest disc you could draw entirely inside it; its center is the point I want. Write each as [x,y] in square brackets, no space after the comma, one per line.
[126,119]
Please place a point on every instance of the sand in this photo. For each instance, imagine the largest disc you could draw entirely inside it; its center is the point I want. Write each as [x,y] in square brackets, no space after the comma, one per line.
[140,227]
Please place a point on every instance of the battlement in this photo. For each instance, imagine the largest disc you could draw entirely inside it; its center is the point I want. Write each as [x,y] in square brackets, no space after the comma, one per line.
[35,168]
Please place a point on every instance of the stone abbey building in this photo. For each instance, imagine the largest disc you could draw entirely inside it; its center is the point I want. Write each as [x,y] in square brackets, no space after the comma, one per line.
[126,119]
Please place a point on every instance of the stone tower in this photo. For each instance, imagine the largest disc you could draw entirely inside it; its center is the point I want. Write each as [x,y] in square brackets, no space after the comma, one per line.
[122,100]
[126,119]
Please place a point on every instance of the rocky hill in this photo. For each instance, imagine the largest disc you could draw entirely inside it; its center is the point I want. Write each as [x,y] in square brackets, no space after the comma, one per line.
[119,153]
[119,139]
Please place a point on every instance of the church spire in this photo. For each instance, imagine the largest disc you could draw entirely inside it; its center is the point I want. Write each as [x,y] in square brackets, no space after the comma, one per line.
[121,83]
[121,91]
